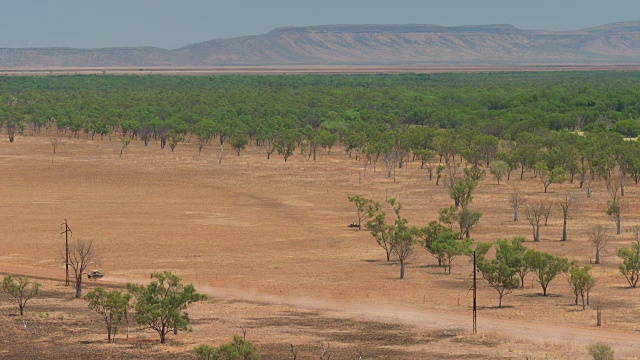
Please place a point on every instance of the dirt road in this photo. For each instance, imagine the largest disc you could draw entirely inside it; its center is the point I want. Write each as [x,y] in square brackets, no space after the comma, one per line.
[625,343]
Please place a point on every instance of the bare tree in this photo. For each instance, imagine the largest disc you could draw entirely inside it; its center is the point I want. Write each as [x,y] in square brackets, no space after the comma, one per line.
[326,351]
[565,202]
[81,255]
[516,200]
[636,233]
[221,150]
[547,214]
[55,142]
[615,204]
[534,214]
[125,140]
[598,237]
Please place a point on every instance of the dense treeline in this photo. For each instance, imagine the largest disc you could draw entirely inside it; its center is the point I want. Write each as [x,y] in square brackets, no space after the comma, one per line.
[501,105]
[525,121]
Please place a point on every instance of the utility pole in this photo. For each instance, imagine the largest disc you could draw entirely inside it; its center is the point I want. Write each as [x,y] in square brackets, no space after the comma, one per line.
[66,232]
[475,323]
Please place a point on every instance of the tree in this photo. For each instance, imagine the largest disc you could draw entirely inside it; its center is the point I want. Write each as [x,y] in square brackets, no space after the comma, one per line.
[516,200]
[402,237]
[162,304]
[449,245]
[448,216]
[555,176]
[429,235]
[238,349]
[534,214]
[55,142]
[365,208]
[439,169]
[467,220]
[461,191]
[174,139]
[614,209]
[630,266]
[81,255]
[124,140]
[546,267]
[499,169]
[515,255]
[565,202]
[500,276]
[598,237]
[112,307]
[380,230]
[21,289]
[239,142]
[600,351]
[581,282]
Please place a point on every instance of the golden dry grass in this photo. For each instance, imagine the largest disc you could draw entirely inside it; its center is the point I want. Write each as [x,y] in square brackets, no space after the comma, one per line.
[260,231]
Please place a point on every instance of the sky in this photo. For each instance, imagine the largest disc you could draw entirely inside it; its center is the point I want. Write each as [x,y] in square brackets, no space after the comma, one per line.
[171,24]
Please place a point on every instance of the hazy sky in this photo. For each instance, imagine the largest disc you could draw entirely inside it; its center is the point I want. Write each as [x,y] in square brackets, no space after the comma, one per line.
[175,23]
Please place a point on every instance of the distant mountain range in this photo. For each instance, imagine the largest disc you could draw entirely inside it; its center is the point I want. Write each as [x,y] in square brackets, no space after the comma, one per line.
[614,44]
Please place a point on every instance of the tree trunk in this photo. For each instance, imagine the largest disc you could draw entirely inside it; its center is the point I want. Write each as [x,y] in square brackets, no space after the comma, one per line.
[544,291]
[401,269]
[21,309]
[597,255]
[388,255]
[564,228]
[515,215]
[79,287]
[522,281]
[583,303]
[163,337]
[618,226]
[500,302]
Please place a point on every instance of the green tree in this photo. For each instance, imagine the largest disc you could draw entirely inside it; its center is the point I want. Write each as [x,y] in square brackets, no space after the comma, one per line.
[239,142]
[514,254]
[499,169]
[555,176]
[162,304]
[581,282]
[546,267]
[630,266]
[402,237]
[380,230]
[365,208]
[500,276]
[429,236]
[467,220]
[112,307]
[237,349]
[448,216]
[449,245]
[21,289]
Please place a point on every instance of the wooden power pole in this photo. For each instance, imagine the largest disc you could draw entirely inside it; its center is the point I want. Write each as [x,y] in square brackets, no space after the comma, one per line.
[66,232]
[475,323]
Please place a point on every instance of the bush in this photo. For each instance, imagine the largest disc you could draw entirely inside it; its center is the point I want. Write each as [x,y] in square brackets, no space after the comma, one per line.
[600,351]
[237,349]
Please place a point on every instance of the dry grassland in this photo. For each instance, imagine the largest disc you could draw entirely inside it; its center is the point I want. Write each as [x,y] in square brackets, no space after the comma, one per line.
[268,241]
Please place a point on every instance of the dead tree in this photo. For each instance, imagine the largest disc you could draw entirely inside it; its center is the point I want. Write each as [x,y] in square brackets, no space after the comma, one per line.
[515,201]
[55,142]
[534,214]
[81,255]
[326,352]
[221,150]
[598,237]
[565,202]
[615,204]
[293,351]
